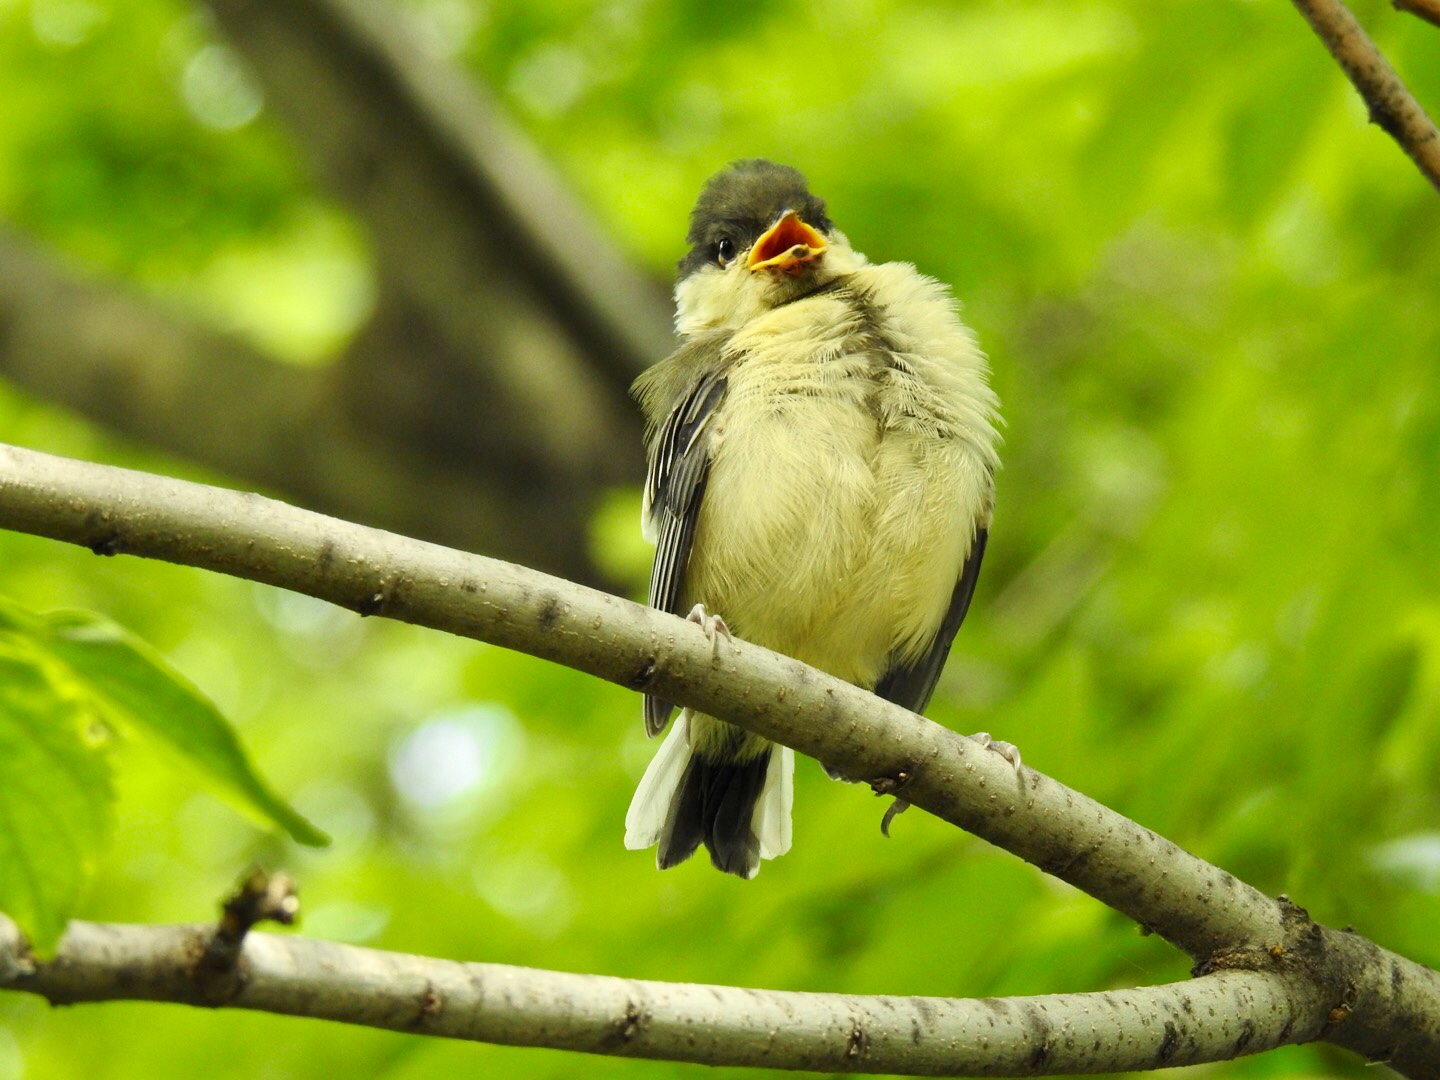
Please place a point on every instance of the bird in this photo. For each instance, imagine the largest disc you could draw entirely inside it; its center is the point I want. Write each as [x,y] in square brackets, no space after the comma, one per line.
[821,451]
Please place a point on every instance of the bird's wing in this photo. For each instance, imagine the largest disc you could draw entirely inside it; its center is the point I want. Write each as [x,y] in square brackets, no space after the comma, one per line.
[910,685]
[679,465]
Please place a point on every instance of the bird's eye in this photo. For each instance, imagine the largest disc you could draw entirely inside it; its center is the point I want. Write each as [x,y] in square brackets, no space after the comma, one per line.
[725,250]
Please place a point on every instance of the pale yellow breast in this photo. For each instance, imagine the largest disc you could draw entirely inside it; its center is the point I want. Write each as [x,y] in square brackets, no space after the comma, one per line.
[842,500]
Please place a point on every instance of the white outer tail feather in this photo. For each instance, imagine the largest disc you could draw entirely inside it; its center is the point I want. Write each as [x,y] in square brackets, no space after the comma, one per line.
[771,822]
[645,820]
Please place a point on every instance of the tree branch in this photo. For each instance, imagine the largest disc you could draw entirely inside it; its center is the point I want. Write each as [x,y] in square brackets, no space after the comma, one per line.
[1391,105]
[1390,1006]
[1429,10]
[210,398]
[1216,1018]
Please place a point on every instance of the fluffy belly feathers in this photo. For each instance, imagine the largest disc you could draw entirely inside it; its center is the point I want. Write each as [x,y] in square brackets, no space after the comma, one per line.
[840,567]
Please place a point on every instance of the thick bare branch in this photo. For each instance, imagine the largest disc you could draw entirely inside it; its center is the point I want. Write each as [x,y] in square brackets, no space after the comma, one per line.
[1391,105]
[118,511]
[1390,1006]
[1215,1018]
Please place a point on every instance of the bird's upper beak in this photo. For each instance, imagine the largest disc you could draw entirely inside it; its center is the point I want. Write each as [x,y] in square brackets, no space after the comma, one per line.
[787,246]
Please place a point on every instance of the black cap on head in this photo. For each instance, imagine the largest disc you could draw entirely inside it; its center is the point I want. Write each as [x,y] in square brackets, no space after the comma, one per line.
[743,200]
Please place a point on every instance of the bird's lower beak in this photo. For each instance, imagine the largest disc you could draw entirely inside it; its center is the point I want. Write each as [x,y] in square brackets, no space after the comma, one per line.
[787,246]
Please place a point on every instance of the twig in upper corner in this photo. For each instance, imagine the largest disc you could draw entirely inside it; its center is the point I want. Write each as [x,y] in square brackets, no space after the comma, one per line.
[1429,10]
[1391,105]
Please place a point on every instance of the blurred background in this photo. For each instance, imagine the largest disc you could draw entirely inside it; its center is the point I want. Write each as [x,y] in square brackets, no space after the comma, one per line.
[398,262]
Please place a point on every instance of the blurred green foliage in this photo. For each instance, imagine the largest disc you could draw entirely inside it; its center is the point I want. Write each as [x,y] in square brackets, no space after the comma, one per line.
[1211,600]
[69,681]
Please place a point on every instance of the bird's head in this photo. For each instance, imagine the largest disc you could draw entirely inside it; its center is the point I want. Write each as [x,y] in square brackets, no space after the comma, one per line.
[758,239]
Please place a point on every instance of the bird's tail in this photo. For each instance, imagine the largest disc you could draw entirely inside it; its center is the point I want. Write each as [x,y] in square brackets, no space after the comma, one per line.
[740,810]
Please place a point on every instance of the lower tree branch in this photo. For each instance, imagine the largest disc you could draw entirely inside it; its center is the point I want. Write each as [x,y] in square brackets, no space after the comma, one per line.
[1391,105]
[1215,1018]
[1381,1005]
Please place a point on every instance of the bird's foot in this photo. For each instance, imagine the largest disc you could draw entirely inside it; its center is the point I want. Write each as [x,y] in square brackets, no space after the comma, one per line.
[889,785]
[1009,751]
[713,625]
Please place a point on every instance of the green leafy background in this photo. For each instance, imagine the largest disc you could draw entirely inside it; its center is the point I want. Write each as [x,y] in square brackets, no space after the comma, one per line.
[1209,290]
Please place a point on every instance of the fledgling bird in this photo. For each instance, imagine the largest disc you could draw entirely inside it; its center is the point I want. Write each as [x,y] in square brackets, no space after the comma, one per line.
[821,457]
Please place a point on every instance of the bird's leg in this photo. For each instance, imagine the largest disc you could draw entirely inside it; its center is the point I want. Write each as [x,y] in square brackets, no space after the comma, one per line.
[889,785]
[713,625]
[1009,751]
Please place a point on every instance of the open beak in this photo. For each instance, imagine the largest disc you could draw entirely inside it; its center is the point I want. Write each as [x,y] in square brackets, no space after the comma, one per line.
[787,246]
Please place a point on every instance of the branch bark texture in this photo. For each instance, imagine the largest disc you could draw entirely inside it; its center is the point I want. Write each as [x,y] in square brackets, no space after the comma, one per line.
[1388,1008]
[1391,105]
[1215,1018]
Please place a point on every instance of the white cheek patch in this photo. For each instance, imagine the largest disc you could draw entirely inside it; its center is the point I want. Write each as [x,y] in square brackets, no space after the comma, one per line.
[712,298]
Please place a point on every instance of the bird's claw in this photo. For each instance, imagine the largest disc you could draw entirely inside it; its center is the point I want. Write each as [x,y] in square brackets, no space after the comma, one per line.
[713,625]
[1009,751]
[889,785]
[899,806]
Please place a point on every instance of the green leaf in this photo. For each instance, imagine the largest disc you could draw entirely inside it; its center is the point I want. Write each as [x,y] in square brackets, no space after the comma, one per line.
[55,795]
[130,684]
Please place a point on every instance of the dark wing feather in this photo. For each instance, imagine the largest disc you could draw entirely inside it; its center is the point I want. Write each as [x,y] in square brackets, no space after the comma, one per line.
[674,486]
[911,685]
